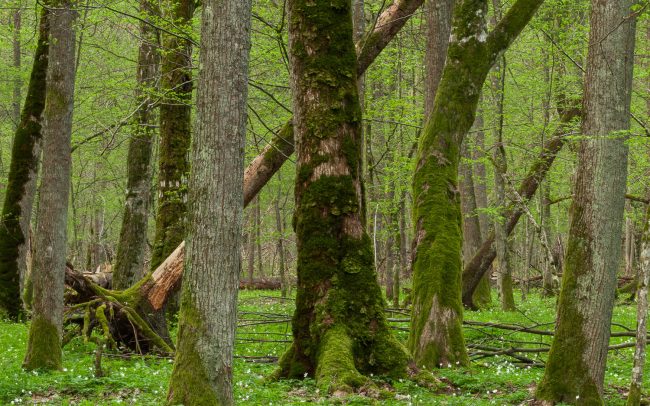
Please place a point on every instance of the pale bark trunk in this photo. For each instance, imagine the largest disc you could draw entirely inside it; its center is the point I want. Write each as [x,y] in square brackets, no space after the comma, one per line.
[18,83]
[203,365]
[634,397]
[576,363]
[129,263]
[48,274]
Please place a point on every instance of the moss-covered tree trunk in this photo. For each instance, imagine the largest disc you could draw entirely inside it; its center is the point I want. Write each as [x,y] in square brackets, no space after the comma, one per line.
[576,364]
[129,262]
[339,328]
[436,336]
[175,130]
[21,184]
[203,365]
[48,274]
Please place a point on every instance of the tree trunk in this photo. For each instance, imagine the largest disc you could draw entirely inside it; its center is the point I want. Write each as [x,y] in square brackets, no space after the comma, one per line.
[339,328]
[280,243]
[479,265]
[175,132]
[129,264]
[504,266]
[258,238]
[471,225]
[436,337]
[388,24]
[576,364]
[48,274]
[634,397]
[18,83]
[203,366]
[21,184]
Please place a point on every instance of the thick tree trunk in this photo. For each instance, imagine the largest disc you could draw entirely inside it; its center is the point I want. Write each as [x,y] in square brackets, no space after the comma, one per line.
[479,265]
[175,132]
[203,366]
[576,364]
[129,262]
[273,156]
[436,337]
[438,18]
[48,274]
[634,397]
[21,185]
[334,341]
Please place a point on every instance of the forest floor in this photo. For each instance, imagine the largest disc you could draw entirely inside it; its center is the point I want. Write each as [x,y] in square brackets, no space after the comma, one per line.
[264,333]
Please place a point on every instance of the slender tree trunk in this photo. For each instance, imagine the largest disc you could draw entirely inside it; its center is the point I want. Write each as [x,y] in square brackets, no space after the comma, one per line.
[175,132]
[258,237]
[471,224]
[480,264]
[333,341]
[576,364]
[436,337]
[21,184]
[634,397]
[129,264]
[280,243]
[44,342]
[504,266]
[18,83]
[203,366]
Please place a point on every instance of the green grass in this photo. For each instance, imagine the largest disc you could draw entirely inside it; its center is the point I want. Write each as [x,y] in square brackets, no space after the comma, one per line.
[263,316]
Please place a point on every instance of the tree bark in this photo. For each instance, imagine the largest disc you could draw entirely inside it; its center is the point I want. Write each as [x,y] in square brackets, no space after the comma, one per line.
[175,132]
[576,365]
[479,265]
[21,184]
[202,373]
[436,336]
[48,274]
[273,156]
[334,341]
[129,262]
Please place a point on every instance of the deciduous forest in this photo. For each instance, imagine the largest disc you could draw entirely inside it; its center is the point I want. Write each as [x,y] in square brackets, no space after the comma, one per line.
[276,202]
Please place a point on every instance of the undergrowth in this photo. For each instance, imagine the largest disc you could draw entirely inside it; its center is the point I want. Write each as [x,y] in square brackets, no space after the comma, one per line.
[264,334]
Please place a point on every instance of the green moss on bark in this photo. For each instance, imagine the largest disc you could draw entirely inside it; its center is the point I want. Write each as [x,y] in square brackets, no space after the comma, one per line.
[567,377]
[23,167]
[43,346]
[190,384]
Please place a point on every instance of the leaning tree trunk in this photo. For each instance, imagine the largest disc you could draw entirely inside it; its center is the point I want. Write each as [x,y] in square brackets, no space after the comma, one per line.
[203,366]
[21,185]
[436,337]
[576,364]
[129,262]
[339,328]
[44,342]
[175,131]
[479,265]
